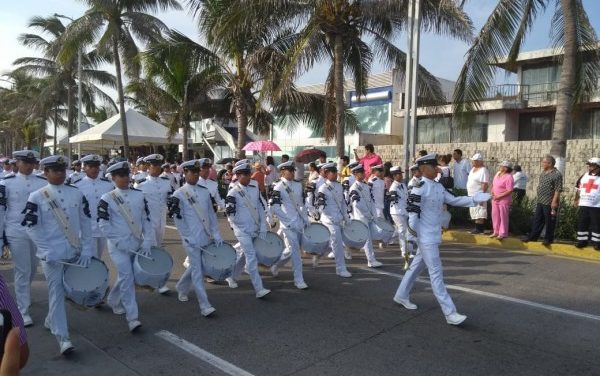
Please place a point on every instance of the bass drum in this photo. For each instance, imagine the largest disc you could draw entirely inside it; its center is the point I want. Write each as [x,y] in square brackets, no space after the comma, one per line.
[154,271]
[315,239]
[382,230]
[218,262]
[355,234]
[86,286]
[269,251]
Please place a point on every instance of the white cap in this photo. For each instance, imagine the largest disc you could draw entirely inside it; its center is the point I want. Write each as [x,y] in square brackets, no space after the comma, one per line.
[477,157]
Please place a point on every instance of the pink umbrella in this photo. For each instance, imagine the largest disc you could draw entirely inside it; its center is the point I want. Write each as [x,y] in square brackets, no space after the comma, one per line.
[261,146]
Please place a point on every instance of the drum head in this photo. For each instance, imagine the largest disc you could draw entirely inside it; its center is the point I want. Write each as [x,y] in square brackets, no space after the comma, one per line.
[161,262]
[384,224]
[271,247]
[86,279]
[356,231]
[219,257]
[317,233]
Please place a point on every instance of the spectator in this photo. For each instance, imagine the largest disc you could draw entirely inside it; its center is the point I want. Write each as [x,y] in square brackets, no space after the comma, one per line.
[548,195]
[270,172]
[444,175]
[478,181]
[322,159]
[369,159]
[461,169]
[8,303]
[285,158]
[502,189]
[422,153]
[299,173]
[588,200]
[313,171]
[259,176]
[520,185]
[345,170]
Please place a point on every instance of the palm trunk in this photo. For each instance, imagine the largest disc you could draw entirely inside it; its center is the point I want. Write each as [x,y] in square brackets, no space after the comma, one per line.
[242,120]
[121,97]
[55,129]
[338,73]
[70,122]
[565,100]
[42,137]
[185,124]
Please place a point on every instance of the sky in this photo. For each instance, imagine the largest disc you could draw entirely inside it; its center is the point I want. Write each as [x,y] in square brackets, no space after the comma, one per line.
[439,54]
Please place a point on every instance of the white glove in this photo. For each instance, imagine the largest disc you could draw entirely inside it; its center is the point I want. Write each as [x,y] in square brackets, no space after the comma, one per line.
[84,260]
[218,242]
[145,252]
[262,235]
[480,197]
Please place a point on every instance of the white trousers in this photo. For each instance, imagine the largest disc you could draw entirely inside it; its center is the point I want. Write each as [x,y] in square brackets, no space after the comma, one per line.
[193,276]
[428,256]
[401,228]
[246,255]
[292,251]
[123,291]
[57,313]
[368,247]
[159,228]
[337,245]
[25,261]
[98,247]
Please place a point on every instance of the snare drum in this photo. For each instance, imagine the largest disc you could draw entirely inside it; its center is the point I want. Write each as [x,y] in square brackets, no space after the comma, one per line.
[86,286]
[153,271]
[355,234]
[269,251]
[382,230]
[218,262]
[315,239]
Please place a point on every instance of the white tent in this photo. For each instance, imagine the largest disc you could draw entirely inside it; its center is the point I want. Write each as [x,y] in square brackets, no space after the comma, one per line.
[141,131]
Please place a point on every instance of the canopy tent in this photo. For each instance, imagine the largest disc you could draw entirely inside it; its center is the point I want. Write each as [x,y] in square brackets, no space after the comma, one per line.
[141,131]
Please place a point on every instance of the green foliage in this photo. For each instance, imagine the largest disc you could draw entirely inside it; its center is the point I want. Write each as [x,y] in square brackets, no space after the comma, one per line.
[460,216]
[566,228]
[520,216]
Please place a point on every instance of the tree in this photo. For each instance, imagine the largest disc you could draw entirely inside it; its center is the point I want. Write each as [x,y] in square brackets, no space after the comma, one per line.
[501,39]
[112,26]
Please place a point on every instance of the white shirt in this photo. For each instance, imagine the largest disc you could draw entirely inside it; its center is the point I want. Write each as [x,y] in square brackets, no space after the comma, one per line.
[378,190]
[271,176]
[398,195]
[93,189]
[331,204]
[476,179]
[461,173]
[156,191]
[245,210]
[213,189]
[286,202]
[361,199]
[520,180]
[299,173]
[14,193]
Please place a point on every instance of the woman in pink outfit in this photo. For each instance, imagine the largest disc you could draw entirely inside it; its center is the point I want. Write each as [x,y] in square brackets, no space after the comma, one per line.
[502,188]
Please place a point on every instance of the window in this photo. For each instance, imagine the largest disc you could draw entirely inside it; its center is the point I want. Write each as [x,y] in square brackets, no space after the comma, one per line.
[586,125]
[541,82]
[536,126]
[475,132]
[442,130]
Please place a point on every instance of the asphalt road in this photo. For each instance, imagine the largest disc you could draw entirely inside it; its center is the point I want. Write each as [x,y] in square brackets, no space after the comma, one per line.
[528,314]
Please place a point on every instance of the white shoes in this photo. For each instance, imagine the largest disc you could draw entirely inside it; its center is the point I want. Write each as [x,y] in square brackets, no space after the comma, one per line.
[455,318]
[47,324]
[374,264]
[133,325]
[301,285]
[348,254]
[330,255]
[405,303]
[65,347]
[231,282]
[262,293]
[315,261]
[118,310]
[207,311]
[275,270]
[27,321]
[344,273]
[163,290]
[182,297]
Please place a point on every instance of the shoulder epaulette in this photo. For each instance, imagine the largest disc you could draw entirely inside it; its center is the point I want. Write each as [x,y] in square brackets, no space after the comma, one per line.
[135,189]
[41,177]
[105,179]
[421,183]
[298,180]
[71,185]
[201,186]
[162,177]
[250,185]
[8,177]
[140,181]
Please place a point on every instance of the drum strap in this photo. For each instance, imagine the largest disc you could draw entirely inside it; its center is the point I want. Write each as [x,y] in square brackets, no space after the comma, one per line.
[291,196]
[253,210]
[59,214]
[194,205]
[367,200]
[126,214]
[334,198]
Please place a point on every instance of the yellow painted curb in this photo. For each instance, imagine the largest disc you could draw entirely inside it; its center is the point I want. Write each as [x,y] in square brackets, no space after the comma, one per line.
[587,253]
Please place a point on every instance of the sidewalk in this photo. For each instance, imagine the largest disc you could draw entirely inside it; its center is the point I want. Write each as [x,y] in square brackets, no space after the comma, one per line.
[512,243]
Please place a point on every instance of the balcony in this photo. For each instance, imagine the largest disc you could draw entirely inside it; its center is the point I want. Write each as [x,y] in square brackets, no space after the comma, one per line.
[518,96]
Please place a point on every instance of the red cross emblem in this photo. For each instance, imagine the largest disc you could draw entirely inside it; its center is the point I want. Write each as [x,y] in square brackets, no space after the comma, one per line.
[589,186]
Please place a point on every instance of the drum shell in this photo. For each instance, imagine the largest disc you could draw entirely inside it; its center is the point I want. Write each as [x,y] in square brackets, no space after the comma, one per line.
[154,279]
[382,230]
[352,236]
[269,251]
[87,297]
[312,245]
[223,270]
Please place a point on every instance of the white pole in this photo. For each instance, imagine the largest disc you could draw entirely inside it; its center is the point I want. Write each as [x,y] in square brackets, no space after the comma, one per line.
[416,36]
[407,91]
[79,95]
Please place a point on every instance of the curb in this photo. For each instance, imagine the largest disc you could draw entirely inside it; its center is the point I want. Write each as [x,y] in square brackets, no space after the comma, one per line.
[511,243]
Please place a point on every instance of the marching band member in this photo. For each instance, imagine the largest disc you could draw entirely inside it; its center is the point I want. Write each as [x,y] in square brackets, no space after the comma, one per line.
[425,206]
[286,202]
[57,218]
[14,192]
[211,185]
[416,177]
[311,192]
[398,196]
[347,183]
[157,190]
[142,170]
[123,217]
[378,189]
[93,187]
[191,208]
[246,216]
[75,176]
[363,209]
[334,215]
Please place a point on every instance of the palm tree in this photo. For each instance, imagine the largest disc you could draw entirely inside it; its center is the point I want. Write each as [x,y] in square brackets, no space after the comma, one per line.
[112,26]
[502,37]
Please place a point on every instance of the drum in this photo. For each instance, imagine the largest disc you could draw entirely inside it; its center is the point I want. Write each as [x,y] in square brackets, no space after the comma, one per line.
[382,230]
[153,271]
[355,234]
[86,286]
[269,251]
[315,239]
[218,262]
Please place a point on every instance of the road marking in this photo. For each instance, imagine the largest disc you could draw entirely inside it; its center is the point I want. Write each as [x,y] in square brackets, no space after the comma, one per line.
[201,354]
[529,303]
[171,227]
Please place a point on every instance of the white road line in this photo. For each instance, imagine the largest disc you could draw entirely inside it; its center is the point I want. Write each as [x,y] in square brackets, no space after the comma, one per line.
[529,303]
[171,227]
[201,354]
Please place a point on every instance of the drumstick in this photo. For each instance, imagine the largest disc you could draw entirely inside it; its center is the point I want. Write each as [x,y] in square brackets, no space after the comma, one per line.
[205,251]
[70,264]
[140,254]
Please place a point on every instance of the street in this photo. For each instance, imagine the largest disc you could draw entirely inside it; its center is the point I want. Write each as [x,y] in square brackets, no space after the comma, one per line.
[528,314]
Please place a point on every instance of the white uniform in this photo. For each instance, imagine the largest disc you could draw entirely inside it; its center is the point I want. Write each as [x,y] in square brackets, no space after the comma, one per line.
[213,189]
[156,191]
[139,176]
[74,177]
[196,232]
[14,192]
[311,191]
[425,206]
[398,196]
[122,240]
[413,182]
[287,203]
[333,213]
[346,184]
[378,191]
[246,214]
[53,245]
[363,209]
[93,189]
